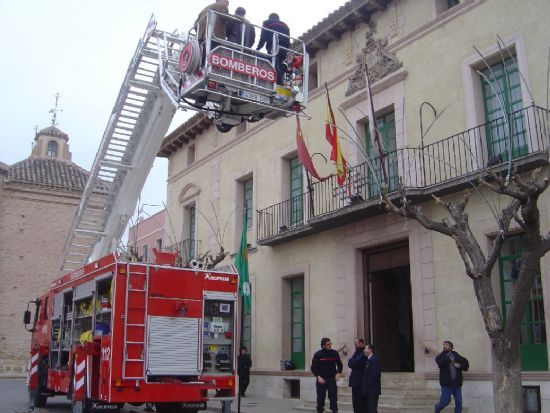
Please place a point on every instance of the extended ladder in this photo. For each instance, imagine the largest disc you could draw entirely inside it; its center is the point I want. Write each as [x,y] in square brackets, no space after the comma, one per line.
[135,317]
[139,121]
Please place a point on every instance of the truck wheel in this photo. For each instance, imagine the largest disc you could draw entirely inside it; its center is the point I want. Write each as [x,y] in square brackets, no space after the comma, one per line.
[37,398]
[174,407]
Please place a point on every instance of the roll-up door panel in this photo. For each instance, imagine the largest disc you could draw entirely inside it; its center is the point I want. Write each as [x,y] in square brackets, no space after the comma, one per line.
[173,346]
[84,290]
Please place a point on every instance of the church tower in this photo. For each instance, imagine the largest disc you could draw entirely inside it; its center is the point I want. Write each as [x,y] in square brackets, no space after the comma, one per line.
[39,197]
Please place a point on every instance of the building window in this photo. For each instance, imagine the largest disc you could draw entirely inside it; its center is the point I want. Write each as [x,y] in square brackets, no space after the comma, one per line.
[296,192]
[52,149]
[313,82]
[533,346]
[191,247]
[190,155]
[386,129]
[247,202]
[159,244]
[145,255]
[297,323]
[501,84]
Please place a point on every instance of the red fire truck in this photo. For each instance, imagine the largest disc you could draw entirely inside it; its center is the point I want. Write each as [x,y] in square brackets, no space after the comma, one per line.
[112,330]
[116,332]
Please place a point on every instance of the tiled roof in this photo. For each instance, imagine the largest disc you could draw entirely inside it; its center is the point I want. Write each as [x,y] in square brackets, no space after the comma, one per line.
[342,20]
[49,173]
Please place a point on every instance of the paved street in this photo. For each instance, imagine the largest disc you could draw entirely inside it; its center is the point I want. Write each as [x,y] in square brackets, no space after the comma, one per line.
[13,399]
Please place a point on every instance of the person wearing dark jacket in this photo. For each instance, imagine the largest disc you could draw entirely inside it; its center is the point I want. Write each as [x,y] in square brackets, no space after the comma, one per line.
[235,29]
[244,363]
[326,367]
[266,38]
[451,365]
[372,386]
[357,365]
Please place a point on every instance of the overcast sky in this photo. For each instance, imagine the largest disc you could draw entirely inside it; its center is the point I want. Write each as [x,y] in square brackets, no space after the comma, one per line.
[82,49]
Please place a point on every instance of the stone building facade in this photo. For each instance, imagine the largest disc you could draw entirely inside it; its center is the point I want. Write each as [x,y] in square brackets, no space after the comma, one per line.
[38,200]
[329,261]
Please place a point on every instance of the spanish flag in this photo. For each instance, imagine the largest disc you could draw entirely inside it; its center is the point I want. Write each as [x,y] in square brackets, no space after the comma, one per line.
[332,138]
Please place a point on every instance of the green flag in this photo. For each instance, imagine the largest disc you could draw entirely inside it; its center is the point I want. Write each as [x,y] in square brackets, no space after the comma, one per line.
[241,264]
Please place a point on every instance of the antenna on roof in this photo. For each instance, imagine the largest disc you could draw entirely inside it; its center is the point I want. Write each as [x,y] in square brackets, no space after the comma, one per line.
[55,110]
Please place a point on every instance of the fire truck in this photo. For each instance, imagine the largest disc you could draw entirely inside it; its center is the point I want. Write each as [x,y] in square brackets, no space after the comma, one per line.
[118,331]
[113,330]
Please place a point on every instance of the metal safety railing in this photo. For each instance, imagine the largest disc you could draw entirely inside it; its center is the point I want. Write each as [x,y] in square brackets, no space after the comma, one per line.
[462,156]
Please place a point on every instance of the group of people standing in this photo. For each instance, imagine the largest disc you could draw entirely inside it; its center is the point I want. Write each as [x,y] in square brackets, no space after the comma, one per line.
[366,373]
[239,30]
[364,378]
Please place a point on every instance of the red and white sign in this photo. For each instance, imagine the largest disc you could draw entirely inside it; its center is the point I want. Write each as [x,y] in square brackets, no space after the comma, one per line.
[239,66]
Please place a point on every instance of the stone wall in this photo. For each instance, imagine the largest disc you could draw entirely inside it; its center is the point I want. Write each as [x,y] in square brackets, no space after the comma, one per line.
[34,224]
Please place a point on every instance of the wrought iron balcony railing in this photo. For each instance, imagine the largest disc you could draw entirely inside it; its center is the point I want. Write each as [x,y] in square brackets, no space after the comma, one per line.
[459,157]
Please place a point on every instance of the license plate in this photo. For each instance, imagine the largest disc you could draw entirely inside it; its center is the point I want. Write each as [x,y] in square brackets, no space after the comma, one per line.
[254,96]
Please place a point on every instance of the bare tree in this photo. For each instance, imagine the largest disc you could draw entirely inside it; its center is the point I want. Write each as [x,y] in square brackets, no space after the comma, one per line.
[524,193]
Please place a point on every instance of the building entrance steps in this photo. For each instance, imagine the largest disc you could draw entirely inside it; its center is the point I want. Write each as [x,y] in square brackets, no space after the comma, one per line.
[401,392]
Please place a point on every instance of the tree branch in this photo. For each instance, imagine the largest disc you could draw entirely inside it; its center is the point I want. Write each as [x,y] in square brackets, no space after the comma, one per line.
[466,259]
[503,189]
[508,213]
[409,210]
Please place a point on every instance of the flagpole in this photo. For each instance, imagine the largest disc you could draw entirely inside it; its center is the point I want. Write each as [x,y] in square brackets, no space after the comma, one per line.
[372,121]
[241,332]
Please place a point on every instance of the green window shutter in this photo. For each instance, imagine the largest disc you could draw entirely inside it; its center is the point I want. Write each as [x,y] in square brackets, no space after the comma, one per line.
[192,230]
[297,324]
[533,346]
[505,87]
[247,202]
[296,191]
[387,132]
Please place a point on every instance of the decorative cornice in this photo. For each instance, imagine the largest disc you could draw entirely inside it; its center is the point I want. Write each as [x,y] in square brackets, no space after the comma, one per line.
[341,21]
[377,87]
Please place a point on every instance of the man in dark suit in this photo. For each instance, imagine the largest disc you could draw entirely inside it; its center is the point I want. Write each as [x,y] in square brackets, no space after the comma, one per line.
[357,365]
[372,386]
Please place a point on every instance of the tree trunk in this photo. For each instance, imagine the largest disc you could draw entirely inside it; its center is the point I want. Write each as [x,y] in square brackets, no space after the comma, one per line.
[507,375]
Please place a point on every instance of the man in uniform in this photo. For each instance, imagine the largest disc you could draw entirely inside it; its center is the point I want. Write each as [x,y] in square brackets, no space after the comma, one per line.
[326,366]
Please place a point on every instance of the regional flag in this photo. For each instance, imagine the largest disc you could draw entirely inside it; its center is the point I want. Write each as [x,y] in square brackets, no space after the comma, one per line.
[241,265]
[332,138]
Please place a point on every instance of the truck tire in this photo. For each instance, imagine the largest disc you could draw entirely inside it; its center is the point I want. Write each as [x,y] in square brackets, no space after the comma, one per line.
[173,407]
[37,398]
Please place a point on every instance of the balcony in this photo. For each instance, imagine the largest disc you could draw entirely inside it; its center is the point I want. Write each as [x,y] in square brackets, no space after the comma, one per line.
[188,249]
[442,167]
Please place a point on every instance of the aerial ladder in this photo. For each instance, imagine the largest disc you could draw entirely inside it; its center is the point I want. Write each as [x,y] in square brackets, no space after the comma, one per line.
[229,82]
